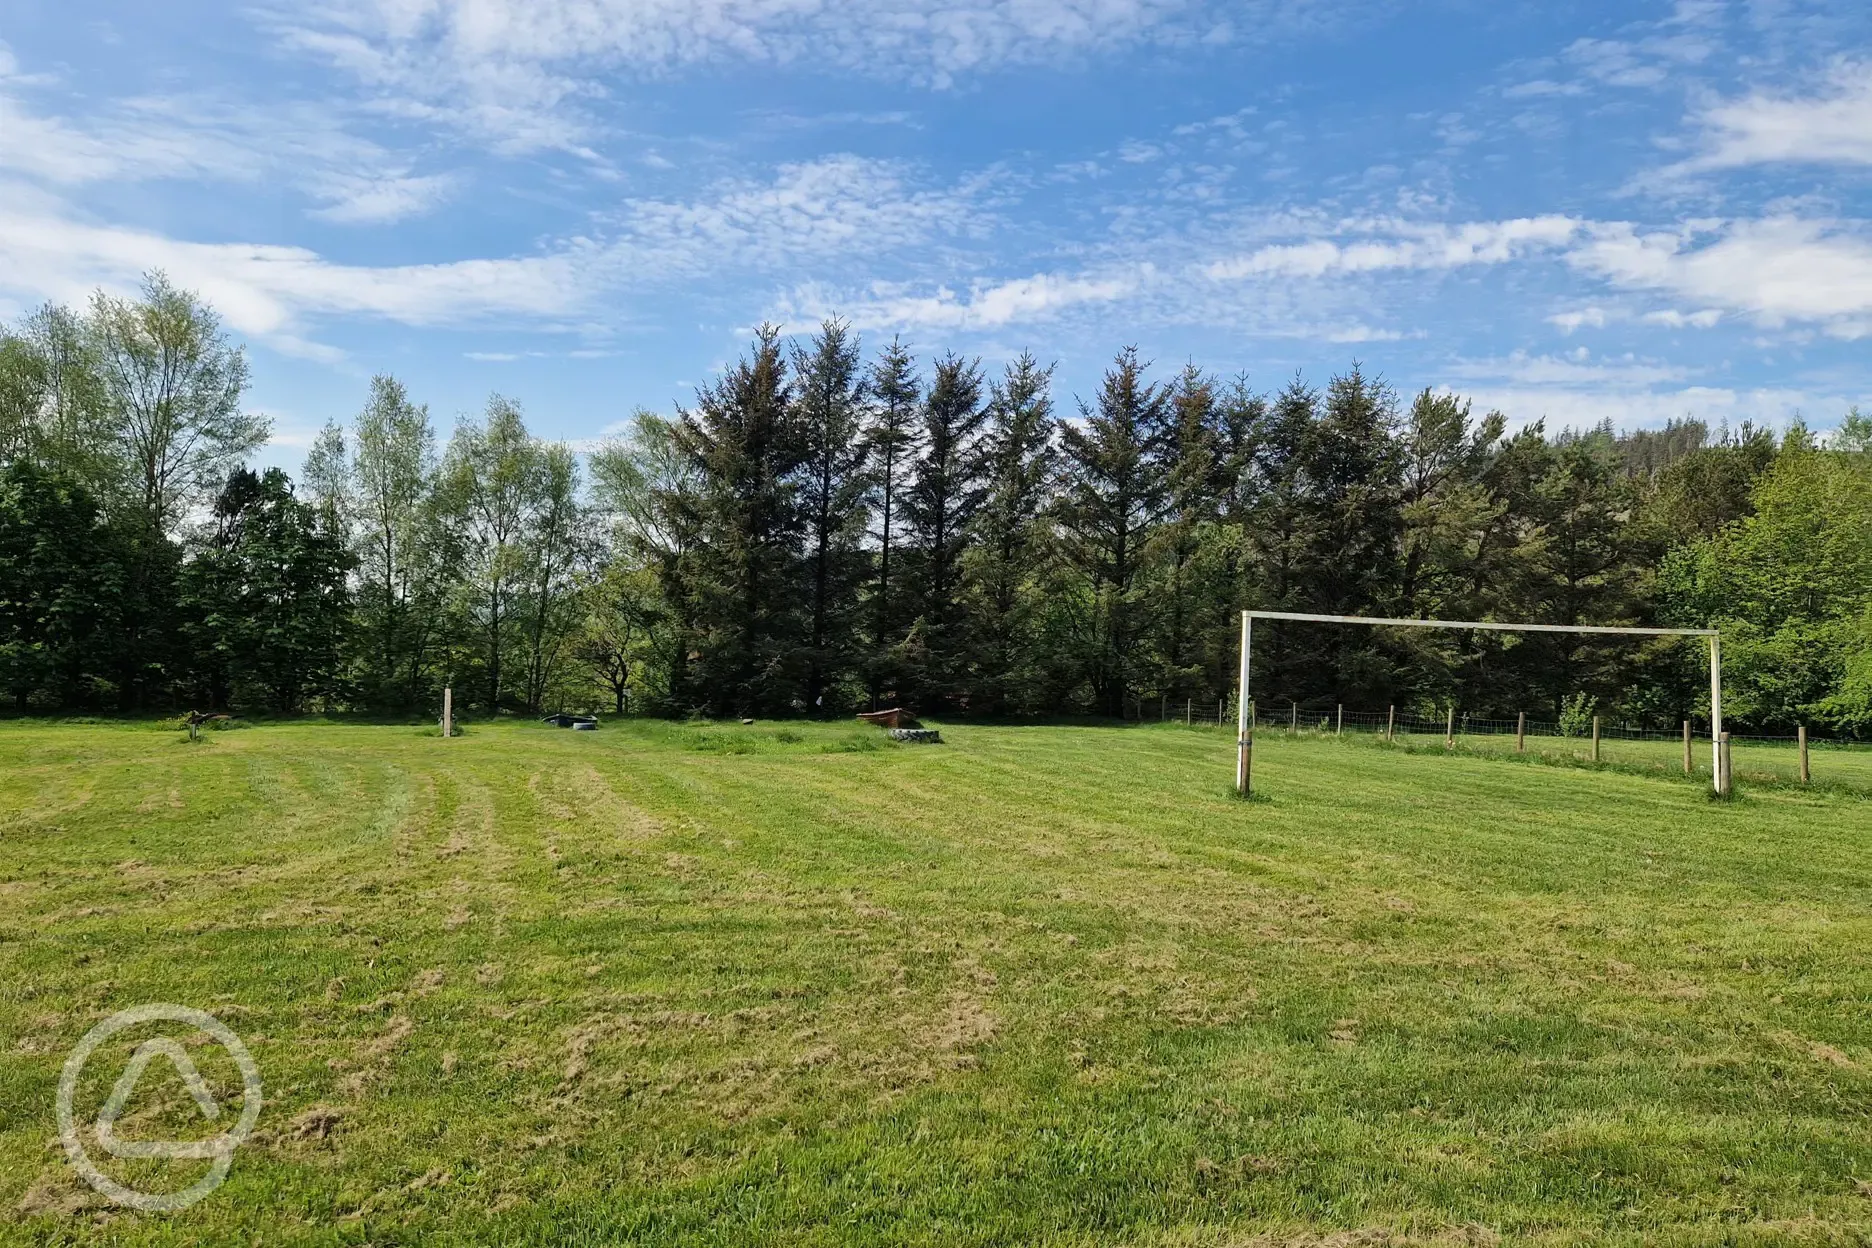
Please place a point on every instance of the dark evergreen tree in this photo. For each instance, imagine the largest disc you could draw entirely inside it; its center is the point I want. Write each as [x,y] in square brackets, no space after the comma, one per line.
[945,492]
[1276,534]
[834,482]
[893,439]
[1111,502]
[1195,484]
[1010,538]
[741,579]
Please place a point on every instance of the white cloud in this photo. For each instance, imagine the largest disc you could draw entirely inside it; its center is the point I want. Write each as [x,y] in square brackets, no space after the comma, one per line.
[1365,333]
[836,211]
[516,70]
[375,200]
[1775,271]
[840,205]
[1540,88]
[984,306]
[267,291]
[1833,126]
[203,139]
[1401,245]
[1671,318]
[1568,322]
[1637,408]
[1578,369]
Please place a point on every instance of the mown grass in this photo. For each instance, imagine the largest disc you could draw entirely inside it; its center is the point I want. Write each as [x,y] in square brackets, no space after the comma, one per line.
[716,984]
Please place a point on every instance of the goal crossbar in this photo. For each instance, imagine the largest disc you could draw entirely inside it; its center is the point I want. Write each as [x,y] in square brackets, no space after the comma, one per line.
[1495,625]
[1244,746]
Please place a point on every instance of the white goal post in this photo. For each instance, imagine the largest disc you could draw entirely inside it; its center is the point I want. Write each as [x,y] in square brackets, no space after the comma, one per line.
[1244,734]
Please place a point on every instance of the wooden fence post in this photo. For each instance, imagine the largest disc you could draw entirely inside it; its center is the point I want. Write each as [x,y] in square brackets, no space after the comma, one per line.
[1449,730]
[1806,775]
[1687,762]
[1390,723]
[1189,711]
[1247,753]
[1221,710]
[1520,733]
[448,711]
[1595,738]
[1293,720]
[1338,728]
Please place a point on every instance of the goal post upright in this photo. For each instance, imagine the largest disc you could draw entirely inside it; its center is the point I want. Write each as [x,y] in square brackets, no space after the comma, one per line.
[1719,779]
[1718,771]
[1244,742]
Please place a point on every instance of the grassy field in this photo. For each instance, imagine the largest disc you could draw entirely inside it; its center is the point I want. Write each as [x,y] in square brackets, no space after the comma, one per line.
[791,985]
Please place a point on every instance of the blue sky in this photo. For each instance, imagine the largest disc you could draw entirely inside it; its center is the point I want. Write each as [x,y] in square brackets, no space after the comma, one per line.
[1565,210]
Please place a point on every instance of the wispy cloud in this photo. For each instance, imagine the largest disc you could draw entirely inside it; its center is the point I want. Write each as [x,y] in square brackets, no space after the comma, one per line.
[1400,245]
[834,213]
[517,71]
[268,291]
[1776,271]
[984,305]
[1638,407]
[1577,369]
[200,138]
[838,205]
[1831,126]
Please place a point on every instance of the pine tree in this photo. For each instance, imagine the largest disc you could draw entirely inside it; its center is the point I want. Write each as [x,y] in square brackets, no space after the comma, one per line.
[939,507]
[740,581]
[1347,540]
[1193,488]
[892,437]
[1446,508]
[834,482]
[1009,537]
[1111,504]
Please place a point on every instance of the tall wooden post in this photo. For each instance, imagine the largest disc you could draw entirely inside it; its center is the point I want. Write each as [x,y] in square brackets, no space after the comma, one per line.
[1449,730]
[1688,765]
[1595,738]
[1806,775]
[448,711]
[1720,779]
[1390,723]
[1338,728]
[1520,733]
[1244,726]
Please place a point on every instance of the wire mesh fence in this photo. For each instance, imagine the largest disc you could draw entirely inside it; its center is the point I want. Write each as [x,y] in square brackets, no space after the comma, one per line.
[1757,757]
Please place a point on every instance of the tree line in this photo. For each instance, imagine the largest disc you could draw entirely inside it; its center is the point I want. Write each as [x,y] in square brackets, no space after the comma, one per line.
[823,530]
